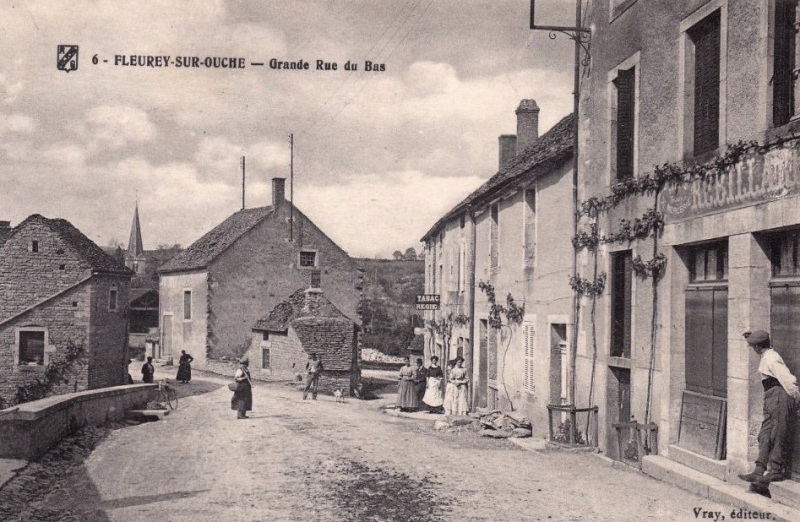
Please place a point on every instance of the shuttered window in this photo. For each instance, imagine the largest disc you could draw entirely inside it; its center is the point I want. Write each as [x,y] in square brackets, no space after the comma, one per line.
[783,66]
[707,340]
[621,298]
[626,96]
[706,39]
[528,333]
[491,361]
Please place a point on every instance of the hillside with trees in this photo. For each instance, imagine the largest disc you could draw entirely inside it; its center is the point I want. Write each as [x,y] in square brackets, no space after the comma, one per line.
[388,307]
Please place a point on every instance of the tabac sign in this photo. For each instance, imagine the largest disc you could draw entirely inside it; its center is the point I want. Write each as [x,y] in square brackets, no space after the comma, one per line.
[757,178]
[428,301]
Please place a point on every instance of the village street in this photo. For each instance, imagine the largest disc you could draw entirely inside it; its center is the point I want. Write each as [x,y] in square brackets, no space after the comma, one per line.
[323,460]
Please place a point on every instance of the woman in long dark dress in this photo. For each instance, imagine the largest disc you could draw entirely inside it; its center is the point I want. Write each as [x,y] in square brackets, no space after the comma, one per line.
[185,367]
[406,395]
[242,400]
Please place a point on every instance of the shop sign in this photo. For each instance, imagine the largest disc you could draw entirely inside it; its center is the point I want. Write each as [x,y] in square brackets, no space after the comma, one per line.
[428,301]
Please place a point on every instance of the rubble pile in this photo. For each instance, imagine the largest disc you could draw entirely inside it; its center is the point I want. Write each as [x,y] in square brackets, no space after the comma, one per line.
[502,425]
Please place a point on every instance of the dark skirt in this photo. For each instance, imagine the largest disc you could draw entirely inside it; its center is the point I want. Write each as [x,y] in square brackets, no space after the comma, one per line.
[242,398]
[184,372]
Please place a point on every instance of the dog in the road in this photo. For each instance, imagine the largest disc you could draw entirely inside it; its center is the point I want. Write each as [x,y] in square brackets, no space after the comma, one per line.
[338,395]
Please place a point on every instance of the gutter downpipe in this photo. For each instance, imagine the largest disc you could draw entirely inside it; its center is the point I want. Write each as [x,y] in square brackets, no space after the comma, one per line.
[576,303]
[472,257]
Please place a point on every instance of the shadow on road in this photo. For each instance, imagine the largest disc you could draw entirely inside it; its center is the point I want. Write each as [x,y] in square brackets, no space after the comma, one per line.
[148,499]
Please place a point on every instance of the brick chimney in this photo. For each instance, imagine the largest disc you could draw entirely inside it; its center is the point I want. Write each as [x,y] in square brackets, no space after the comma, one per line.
[278,191]
[527,124]
[508,148]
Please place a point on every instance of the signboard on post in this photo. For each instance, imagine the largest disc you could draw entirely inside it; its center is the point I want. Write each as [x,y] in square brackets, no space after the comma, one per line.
[428,302]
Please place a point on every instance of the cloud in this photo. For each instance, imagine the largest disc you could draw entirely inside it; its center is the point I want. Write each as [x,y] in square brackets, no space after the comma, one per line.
[114,126]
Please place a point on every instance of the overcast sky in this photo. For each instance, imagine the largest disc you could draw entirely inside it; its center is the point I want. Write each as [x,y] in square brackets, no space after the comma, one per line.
[379,156]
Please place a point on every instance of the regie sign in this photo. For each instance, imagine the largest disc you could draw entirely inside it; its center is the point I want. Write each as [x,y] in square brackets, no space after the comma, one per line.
[428,301]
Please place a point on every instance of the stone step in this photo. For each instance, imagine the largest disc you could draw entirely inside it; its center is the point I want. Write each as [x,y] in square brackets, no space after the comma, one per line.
[786,492]
[715,468]
[737,495]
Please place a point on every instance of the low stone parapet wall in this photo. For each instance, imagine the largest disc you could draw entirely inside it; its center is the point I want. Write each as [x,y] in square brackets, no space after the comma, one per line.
[29,429]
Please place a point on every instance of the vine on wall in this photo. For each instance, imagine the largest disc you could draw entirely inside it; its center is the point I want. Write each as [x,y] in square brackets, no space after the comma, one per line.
[650,224]
[59,370]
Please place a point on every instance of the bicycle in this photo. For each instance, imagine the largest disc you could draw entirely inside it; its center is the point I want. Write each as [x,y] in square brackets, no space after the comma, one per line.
[165,394]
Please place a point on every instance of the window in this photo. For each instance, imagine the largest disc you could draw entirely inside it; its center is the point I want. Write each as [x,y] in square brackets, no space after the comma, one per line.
[308,259]
[784,62]
[34,245]
[709,263]
[625,84]
[529,233]
[112,298]
[462,221]
[529,336]
[187,305]
[491,360]
[621,301]
[265,336]
[62,267]
[31,347]
[706,39]
[786,254]
[316,279]
[265,362]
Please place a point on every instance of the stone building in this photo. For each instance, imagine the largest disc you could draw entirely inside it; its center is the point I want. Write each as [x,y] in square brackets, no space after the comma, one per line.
[510,234]
[213,292]
[61,292]
[703,76]
[306,323]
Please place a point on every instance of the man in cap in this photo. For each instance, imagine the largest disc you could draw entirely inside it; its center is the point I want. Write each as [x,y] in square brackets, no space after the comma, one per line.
[780,398]
[313,371]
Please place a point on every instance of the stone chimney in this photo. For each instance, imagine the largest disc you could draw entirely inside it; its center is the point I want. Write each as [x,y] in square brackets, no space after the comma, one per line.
[313,301]
[527,124]
[508,148]
[278,191]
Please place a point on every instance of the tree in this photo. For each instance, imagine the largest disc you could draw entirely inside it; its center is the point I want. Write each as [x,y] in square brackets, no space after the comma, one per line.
[397,255]
[411,254]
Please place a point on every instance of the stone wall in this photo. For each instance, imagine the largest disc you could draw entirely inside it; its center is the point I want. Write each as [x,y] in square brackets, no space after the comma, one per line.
[108,333]
[178,333]
[30,429]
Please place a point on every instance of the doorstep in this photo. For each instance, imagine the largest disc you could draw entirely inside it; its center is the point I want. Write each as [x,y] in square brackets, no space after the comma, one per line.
[734,494]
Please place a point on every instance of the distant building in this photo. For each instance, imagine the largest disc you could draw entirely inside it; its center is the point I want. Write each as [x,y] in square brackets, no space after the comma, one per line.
[212,293]
[60,290]
[306,323]
[134,256]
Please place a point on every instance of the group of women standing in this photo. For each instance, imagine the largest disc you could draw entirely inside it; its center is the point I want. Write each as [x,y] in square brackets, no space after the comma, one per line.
[422,386]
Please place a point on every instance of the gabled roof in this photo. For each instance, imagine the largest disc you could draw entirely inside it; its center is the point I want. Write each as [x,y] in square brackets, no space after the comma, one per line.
[546,153]
[212,244]
[299,305]
[86,249]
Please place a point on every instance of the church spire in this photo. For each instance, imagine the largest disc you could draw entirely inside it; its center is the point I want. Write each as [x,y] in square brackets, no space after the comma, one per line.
[135,246]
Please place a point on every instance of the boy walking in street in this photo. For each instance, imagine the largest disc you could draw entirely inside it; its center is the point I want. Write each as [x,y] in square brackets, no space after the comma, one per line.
[781,396]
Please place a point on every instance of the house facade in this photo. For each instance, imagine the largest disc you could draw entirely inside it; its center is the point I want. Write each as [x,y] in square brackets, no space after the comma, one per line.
[64,300]
[213,292]
[704,99]
[303,324]
[505,241]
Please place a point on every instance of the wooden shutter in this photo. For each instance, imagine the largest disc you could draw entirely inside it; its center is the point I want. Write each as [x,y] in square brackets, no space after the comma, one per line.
[782,77]
[621,302]
[626,96]
[529,336]
[706,38]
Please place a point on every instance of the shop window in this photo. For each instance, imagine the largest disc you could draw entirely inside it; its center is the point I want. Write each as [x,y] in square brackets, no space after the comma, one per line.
[784,62]
[31,347]
[709,263]
[786,254]
[706,90]
[621,303]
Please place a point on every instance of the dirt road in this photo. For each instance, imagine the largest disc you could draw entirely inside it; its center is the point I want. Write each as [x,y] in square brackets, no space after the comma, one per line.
[322,460]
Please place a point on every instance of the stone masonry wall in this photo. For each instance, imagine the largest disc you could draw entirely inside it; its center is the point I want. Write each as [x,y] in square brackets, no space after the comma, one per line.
[108,334]
[67,321]
[261,269]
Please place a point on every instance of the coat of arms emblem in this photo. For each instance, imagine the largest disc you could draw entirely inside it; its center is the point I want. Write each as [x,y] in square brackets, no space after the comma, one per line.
[67,58]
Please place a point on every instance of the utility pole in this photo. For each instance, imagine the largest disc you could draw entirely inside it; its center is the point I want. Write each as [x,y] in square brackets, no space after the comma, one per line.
[581,36]
[242,163]
[291,187]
